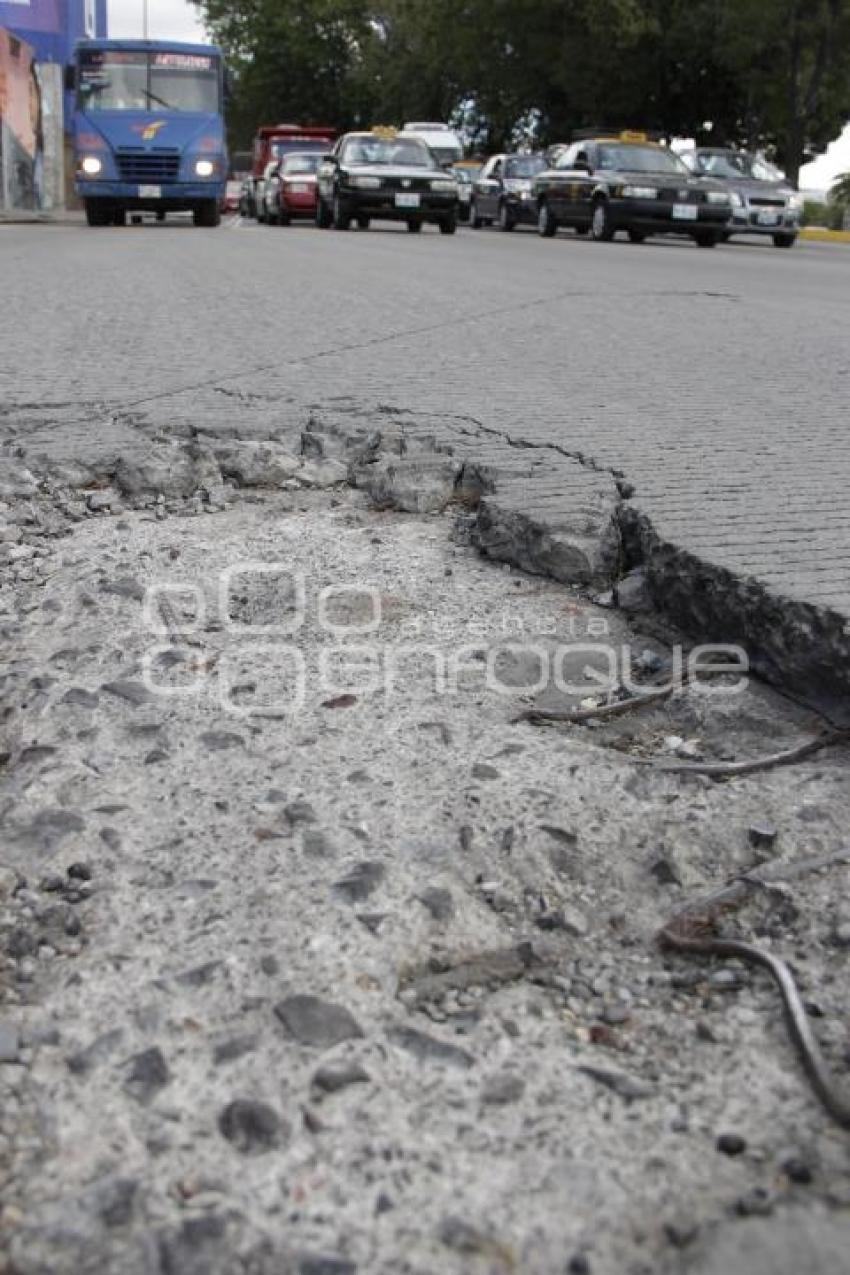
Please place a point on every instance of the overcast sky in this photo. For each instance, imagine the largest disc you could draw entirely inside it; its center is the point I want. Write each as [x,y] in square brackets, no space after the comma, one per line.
[169,19]
[178,20]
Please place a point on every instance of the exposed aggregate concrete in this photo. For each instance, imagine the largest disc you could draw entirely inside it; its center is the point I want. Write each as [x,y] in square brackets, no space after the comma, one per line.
[371,985]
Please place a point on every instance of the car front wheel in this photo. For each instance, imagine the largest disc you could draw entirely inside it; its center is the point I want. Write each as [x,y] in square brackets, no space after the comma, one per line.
[414,225]
[448,225]
[708,239]
[98,213]
[784,241]
[207,214]
[506,217]
[341,215]
[602,226]
[546,223]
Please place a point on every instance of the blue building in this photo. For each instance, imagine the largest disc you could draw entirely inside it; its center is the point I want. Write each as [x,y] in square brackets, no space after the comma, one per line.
[53,26]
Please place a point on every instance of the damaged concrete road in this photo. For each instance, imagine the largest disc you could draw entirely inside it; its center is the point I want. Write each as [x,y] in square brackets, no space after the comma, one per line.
[317,955]
[316,959]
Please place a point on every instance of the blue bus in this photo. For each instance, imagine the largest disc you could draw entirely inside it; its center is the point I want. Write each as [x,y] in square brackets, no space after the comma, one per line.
[149,129]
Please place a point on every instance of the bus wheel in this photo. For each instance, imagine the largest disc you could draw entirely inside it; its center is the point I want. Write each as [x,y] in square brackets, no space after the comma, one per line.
[207,214]
[98,213]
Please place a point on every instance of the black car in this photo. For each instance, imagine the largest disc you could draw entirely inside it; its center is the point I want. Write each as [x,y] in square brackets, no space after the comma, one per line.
[606,184]
[503,191]
[383,175]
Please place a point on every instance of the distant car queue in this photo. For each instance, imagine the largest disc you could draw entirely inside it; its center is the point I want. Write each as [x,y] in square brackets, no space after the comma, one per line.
[599,184]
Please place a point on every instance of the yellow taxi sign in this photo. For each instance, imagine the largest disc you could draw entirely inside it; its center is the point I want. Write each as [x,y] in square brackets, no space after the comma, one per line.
[385,131]
[633,135]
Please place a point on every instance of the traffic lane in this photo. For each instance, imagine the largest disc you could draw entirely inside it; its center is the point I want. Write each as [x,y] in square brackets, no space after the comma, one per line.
[140,310]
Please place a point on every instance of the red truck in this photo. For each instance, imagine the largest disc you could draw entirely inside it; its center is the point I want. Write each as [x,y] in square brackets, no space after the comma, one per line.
[271,143]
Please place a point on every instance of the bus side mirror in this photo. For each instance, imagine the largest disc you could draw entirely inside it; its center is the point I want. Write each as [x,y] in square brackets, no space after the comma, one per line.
[70,78]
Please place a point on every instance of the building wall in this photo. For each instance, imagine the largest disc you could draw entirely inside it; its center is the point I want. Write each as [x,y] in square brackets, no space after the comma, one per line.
[36,41]
[21,148]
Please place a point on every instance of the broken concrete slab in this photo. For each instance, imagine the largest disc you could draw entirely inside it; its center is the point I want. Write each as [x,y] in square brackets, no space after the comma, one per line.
[418,485]
[573,538]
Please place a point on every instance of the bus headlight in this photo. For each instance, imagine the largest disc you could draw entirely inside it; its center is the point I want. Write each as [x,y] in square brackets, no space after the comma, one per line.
[204,168]
[91,165]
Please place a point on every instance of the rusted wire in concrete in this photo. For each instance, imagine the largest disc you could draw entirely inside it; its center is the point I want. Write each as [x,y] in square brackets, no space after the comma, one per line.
[691,933]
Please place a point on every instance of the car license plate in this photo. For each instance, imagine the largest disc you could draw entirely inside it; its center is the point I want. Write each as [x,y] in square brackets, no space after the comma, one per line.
[685,212]
[407,201]
[150,192]
[299,188]
[768,219]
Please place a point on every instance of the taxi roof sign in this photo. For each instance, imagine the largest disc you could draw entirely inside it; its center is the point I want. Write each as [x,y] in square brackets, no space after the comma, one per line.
[646,136]
[385,131]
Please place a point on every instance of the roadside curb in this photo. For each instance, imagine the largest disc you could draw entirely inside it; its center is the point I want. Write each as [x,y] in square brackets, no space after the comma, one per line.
[815,235]
[40,219]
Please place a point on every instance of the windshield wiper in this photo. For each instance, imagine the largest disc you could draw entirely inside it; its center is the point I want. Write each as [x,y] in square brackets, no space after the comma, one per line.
[152,97]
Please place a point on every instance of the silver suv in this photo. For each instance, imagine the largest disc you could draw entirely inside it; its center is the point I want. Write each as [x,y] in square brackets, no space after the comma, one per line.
[763,201]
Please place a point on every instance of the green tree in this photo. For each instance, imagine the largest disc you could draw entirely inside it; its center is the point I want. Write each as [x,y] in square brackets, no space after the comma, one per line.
[293,60]
[766,73]
[791,60]
[840,192]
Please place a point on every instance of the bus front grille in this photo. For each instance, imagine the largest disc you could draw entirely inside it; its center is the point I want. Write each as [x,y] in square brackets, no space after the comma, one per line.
[148,167]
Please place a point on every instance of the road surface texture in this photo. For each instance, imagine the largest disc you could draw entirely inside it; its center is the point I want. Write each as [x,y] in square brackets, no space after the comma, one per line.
[715,382]
[317,957]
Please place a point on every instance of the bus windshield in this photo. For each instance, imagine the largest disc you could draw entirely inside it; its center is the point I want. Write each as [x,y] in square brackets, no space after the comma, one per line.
[117,80]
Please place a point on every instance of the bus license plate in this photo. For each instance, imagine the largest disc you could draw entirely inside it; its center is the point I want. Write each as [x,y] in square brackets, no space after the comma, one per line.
[150,192]
[685,212]
[407,201]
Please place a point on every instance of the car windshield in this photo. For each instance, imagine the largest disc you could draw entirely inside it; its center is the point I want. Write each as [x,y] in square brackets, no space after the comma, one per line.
[300,164]
[641,159]
[292,146]
[732,164]
[524,165]
[119,80]
[447,154]
[385,151]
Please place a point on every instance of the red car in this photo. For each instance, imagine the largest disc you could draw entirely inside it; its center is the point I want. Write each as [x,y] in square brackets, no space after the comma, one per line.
[230,202]
[291,190]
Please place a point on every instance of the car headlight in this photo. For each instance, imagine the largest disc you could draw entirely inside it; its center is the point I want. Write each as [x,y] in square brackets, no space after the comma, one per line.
[366,183]
[736,200]
[718,197]
[204,168]
[795,202]
[640,192]
[91,165]
[446,186]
